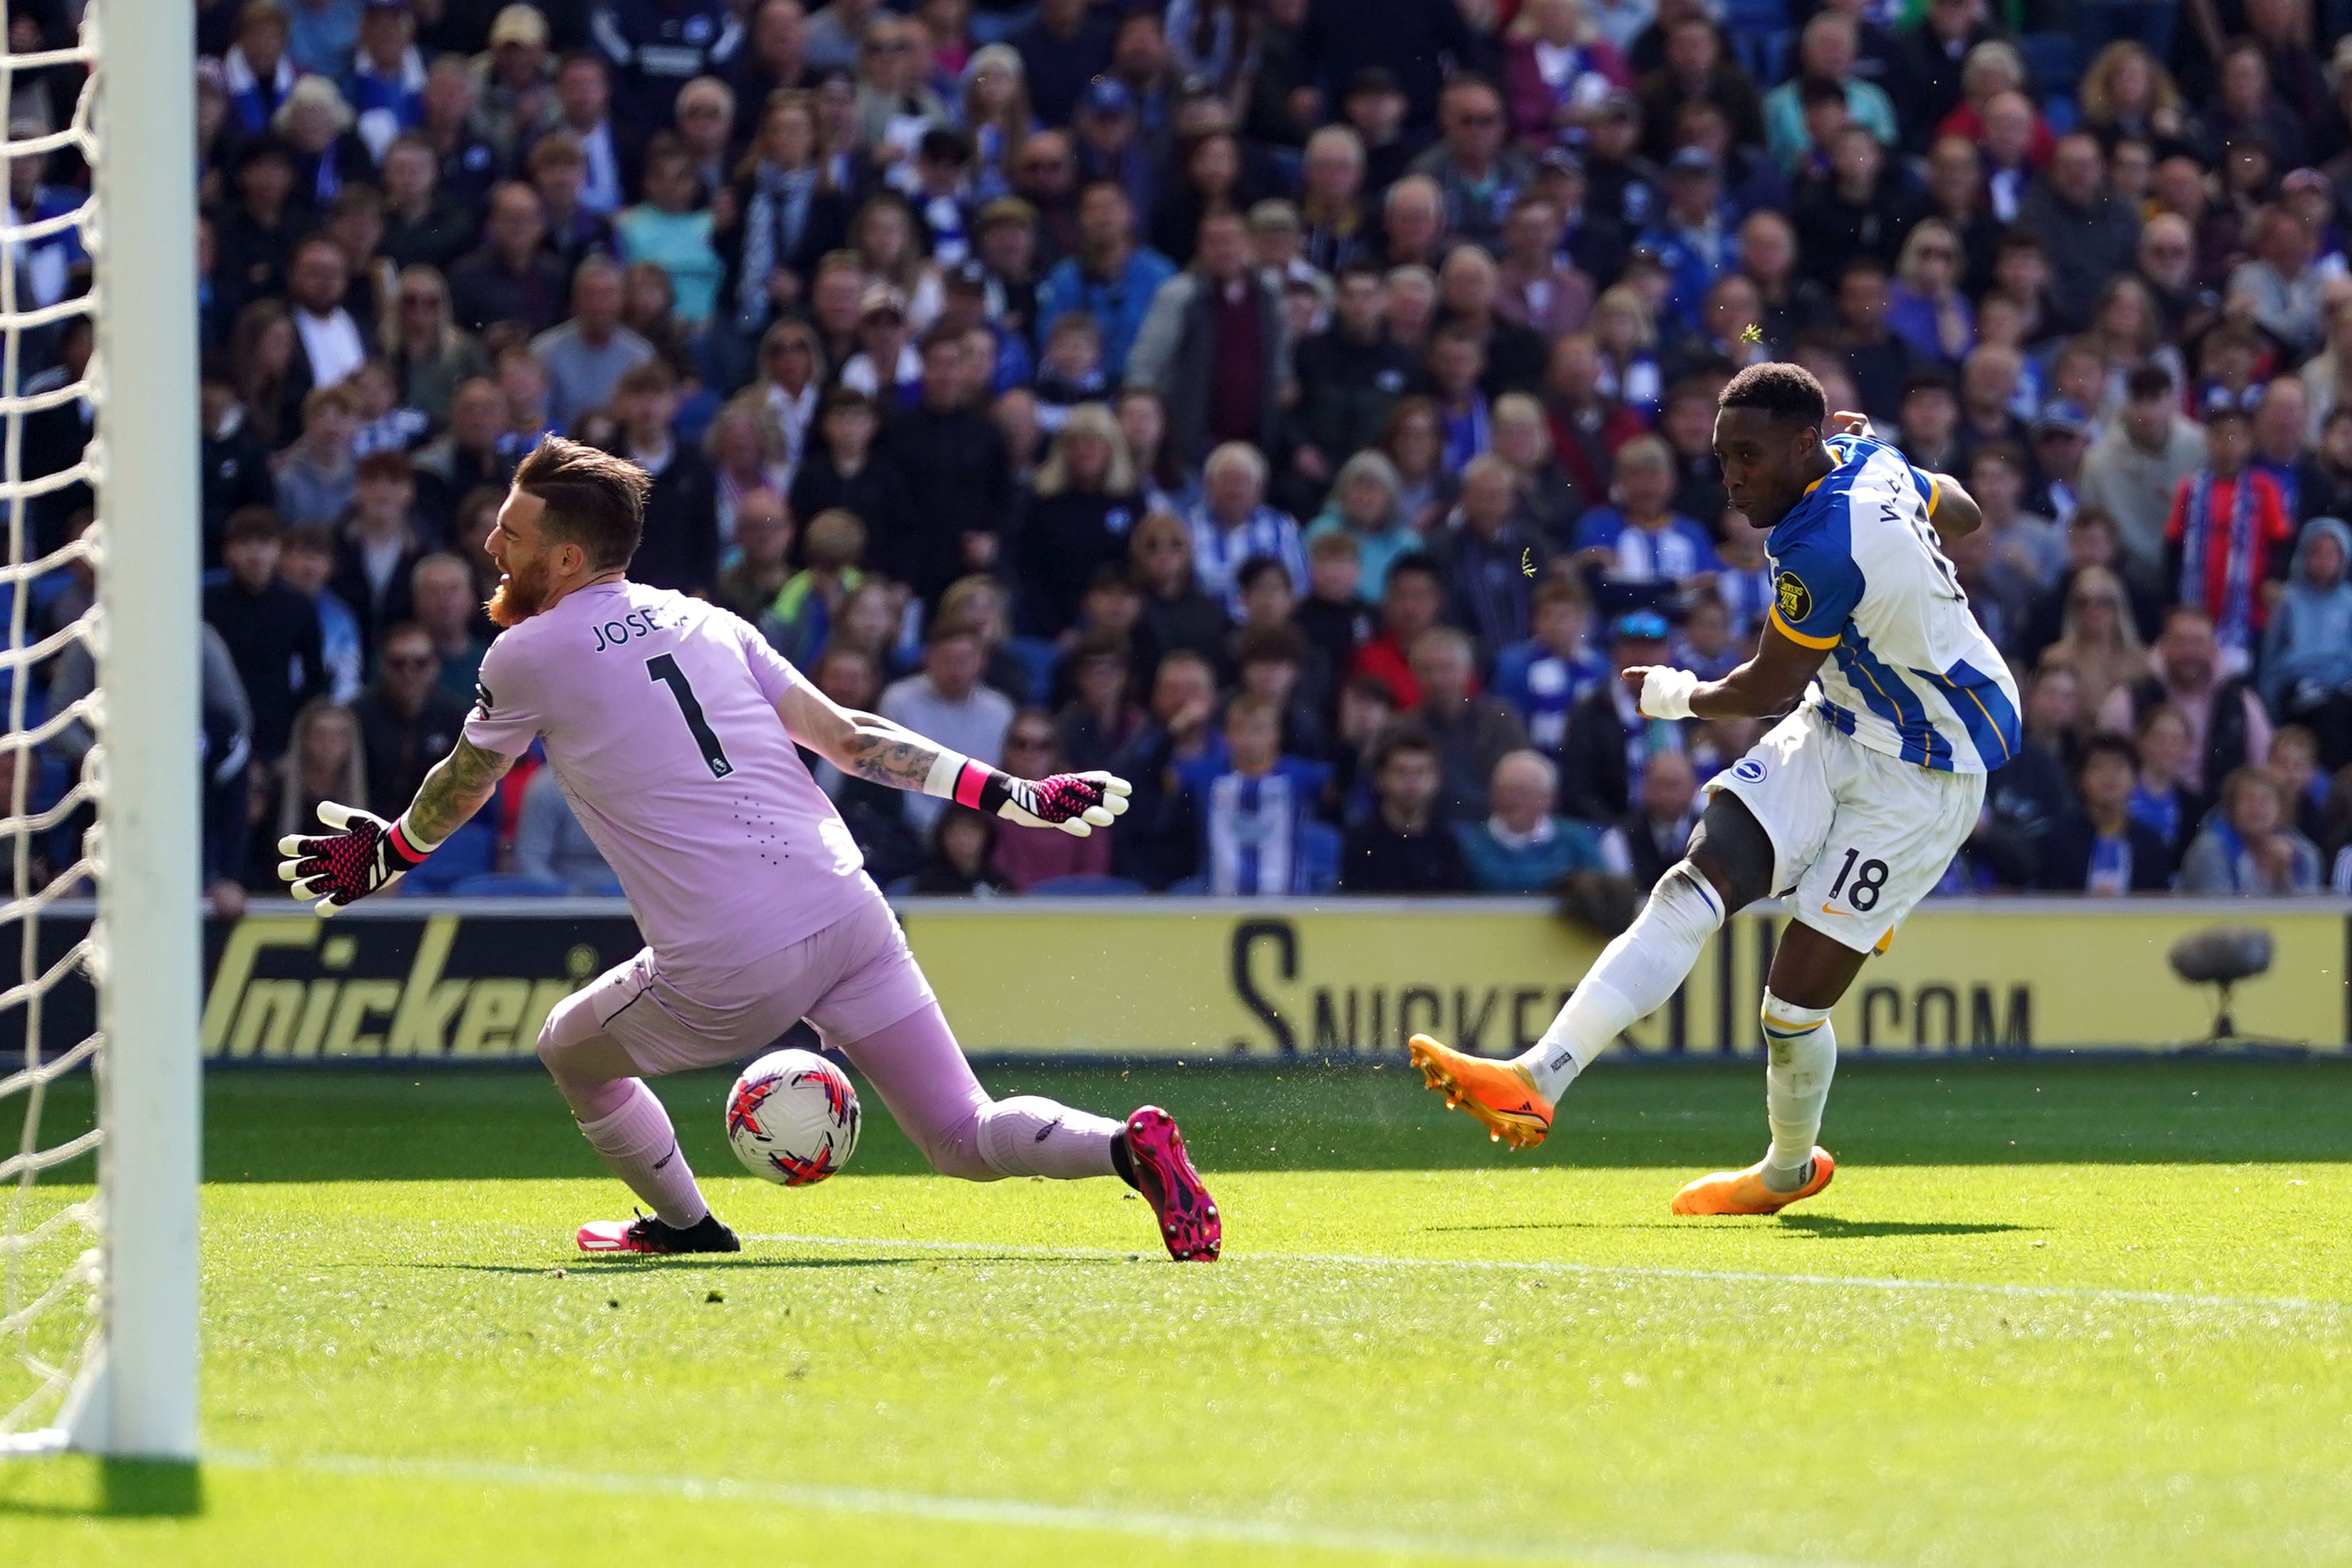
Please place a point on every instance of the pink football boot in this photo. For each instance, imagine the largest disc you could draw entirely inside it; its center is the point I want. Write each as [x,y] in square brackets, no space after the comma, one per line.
[1165,1176]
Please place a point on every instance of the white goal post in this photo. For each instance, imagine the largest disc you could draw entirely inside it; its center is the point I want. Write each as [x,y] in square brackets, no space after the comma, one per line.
[126,1383]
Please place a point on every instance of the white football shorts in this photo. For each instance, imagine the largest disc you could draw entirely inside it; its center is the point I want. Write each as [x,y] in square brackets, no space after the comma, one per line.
[1858,837]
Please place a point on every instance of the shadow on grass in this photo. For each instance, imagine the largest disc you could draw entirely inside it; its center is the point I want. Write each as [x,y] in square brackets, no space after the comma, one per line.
[1560,1225]
[1829,1228]
[120,1489]
[622,1268]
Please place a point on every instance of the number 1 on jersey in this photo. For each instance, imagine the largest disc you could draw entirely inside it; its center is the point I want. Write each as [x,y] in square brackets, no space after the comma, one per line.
[663,667]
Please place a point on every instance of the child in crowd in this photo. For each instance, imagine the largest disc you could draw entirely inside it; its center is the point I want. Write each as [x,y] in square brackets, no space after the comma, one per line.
[1543,677]
[382,425]
[2229,537]
[1253,807]
[800,623]
[1072,372]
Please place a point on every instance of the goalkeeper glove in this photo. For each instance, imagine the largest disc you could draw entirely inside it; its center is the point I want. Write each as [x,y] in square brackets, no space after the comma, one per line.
[1077,804]
[365,855]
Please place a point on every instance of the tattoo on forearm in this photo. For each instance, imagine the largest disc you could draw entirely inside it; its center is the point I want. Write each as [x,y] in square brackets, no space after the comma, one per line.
[902,764]
[455,789]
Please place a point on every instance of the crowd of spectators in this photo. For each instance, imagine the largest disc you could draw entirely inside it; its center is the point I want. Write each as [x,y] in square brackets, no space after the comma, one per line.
[1300,407]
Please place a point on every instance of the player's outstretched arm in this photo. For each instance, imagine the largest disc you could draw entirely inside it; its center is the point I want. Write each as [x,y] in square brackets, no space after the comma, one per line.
[1954,511]
[1766,687]
[363,854]
[876,749]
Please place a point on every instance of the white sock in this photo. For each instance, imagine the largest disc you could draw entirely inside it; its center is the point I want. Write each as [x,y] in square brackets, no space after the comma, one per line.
[1632,979]
[1800,1049]
[640,1146]
[1026,1135]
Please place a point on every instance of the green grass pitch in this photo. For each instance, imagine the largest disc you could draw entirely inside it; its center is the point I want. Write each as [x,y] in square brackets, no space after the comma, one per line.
[2050,1312]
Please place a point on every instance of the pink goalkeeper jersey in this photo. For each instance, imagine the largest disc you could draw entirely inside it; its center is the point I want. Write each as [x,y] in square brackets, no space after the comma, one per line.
[659,714]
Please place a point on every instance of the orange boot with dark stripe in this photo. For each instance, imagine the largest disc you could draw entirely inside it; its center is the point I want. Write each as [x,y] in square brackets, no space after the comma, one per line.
[1501,1094]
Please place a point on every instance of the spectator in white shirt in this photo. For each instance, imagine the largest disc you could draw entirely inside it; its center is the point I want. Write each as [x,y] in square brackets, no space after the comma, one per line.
[332,349]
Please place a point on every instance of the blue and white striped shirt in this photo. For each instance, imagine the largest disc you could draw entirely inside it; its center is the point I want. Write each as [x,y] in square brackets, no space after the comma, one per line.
[1219,552]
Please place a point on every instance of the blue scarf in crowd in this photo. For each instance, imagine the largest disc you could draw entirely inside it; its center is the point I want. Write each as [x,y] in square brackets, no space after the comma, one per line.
[2234,617]
[777,212]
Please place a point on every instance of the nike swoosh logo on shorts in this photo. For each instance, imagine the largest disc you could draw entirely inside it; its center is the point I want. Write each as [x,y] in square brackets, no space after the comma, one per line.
[1838,913]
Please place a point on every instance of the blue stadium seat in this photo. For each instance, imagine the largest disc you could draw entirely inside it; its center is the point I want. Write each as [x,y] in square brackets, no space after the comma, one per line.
[472,850]
[1760,35]
[1086,884]
[508,884]
[1319,856]
[2055,61]
[1037,656]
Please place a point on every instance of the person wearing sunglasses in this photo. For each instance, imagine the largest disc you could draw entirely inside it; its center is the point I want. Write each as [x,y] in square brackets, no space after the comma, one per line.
[1479,174]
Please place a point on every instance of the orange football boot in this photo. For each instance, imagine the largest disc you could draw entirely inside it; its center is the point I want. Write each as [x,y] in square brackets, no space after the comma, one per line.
[1744,1192]
[1499,1093]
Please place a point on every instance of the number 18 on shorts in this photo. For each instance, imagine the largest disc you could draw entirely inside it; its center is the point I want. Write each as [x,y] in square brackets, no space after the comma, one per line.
[1858,837]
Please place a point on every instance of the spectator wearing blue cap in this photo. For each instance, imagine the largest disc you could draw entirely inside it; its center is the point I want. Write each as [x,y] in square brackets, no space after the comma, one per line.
[1693,237]
[2061,433]
[1110,143]
[1609,743]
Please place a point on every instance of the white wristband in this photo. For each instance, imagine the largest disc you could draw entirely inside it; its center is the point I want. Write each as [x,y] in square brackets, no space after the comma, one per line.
[946,768]
[1666,693]
[408,836]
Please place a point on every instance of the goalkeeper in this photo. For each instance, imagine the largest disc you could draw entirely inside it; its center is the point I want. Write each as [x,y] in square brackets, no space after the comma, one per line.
[670,727]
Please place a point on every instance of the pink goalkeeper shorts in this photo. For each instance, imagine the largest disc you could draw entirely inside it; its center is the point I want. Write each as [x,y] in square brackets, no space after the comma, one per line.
[852,979]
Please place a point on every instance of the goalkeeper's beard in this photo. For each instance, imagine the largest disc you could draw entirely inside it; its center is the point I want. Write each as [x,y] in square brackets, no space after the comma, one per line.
[517,600]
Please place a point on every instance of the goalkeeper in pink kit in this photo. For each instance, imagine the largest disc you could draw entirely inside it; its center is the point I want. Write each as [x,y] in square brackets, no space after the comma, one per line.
[670,726]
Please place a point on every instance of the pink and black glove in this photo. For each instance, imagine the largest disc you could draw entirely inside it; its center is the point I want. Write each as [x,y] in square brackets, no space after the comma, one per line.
[1077,804]
[365,855]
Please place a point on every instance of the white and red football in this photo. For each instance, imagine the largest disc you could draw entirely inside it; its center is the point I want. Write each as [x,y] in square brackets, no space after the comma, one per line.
[792,1117]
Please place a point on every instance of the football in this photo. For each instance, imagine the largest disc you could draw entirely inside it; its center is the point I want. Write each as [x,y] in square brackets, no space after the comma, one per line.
[792,1117]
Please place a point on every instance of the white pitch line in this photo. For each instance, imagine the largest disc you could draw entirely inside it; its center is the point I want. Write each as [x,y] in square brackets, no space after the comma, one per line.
[1009,1512]
[1614,1270]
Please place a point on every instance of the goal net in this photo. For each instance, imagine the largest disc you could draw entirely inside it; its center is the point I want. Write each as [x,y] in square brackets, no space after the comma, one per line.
[99,760]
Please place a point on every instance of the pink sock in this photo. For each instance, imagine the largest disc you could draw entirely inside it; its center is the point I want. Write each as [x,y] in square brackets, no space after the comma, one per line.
[640,1146]
[920,1073]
